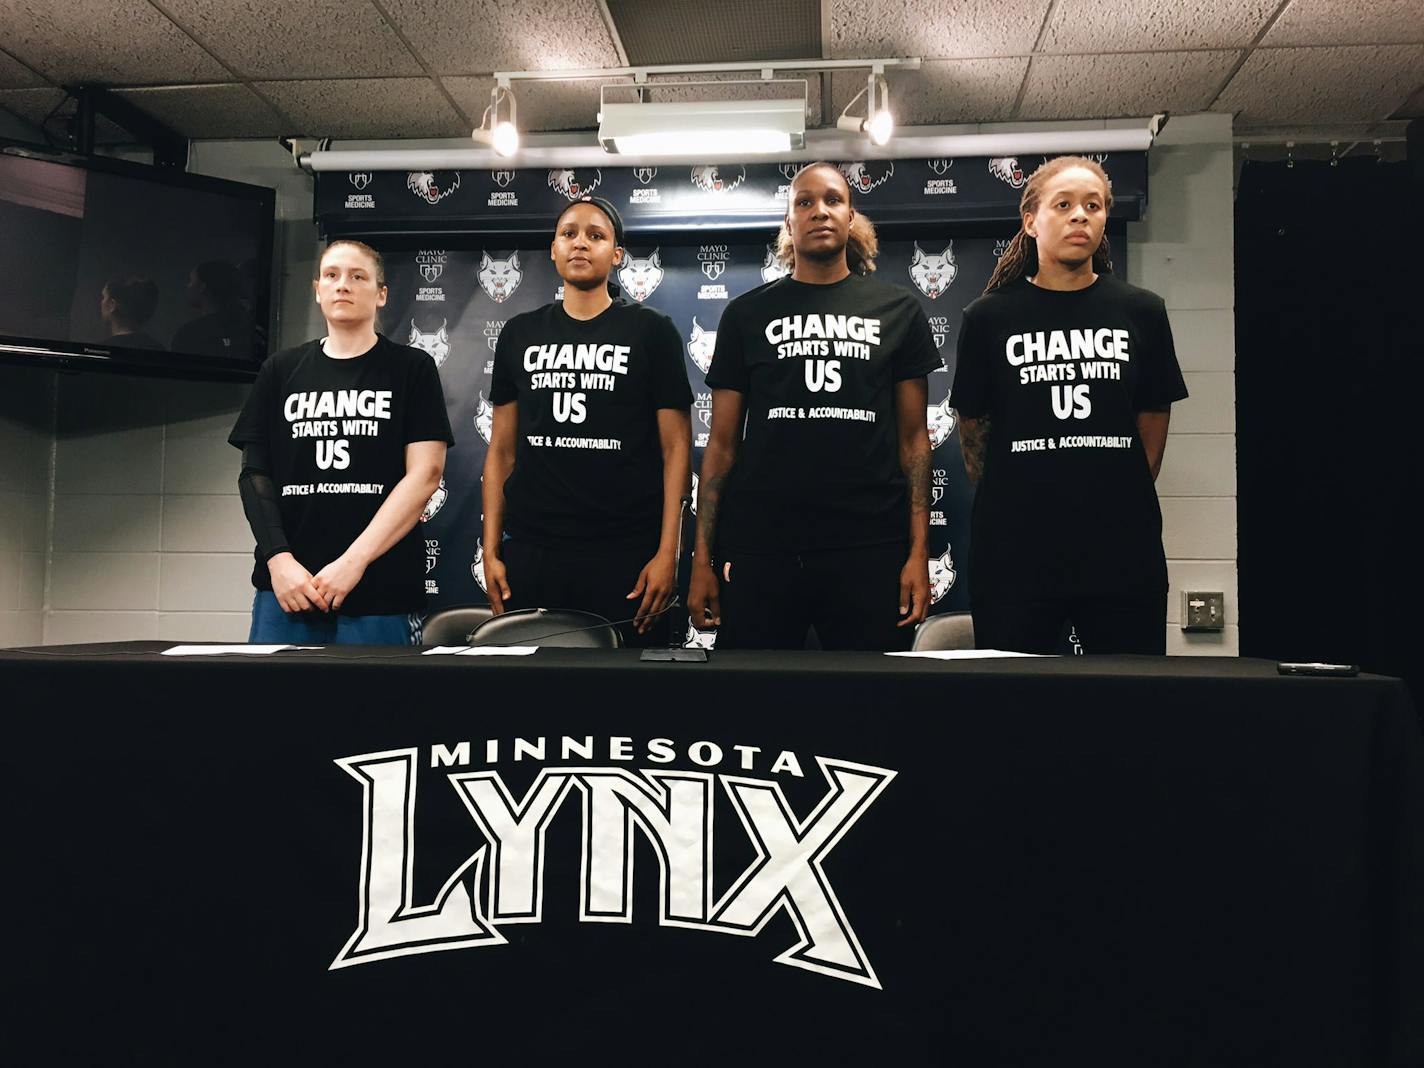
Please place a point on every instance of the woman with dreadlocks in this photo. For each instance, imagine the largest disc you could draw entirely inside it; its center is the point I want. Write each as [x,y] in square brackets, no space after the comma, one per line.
[1065,381]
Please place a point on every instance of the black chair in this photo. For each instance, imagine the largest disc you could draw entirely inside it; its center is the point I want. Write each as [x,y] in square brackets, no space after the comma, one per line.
[562,628]
[454,625]
[949,630]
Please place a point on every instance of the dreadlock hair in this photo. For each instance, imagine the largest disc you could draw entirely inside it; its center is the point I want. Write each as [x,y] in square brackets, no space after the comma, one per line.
[862,246]
[1020,259]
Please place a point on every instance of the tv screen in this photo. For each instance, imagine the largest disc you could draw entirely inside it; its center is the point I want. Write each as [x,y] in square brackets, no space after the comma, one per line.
[133,266]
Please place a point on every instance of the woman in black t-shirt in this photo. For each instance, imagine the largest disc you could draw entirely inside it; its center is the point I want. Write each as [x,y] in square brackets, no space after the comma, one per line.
[590,444]
[343,442]
[1064,384]
[813,505]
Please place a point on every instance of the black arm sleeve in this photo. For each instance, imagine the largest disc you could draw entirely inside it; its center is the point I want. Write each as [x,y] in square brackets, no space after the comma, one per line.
[259,502]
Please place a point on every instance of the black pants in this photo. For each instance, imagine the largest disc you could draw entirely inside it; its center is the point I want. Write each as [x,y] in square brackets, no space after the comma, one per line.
[593,578]
[851,597]
[1104,624]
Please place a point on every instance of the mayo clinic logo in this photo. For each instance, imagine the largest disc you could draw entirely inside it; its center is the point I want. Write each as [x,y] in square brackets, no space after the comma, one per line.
[492,329]
[645,174]
[359,200]
[713,260]
[939,484]
[502,178]
[432,557]
[360,179]
[431,263]
[939,166]
[625,790]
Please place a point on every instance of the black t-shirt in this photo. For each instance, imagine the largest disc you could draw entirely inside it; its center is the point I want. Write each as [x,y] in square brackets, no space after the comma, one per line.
[335,432]
[1066,505]
[588,462]
[819,465]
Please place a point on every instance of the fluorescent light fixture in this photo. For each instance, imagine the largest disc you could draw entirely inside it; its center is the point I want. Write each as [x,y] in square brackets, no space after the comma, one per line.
[501,134]
[700,127]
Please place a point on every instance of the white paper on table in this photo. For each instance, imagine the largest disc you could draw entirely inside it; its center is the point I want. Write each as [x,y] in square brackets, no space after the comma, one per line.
[444,650]
[499,650]
[229,650]
[963,654]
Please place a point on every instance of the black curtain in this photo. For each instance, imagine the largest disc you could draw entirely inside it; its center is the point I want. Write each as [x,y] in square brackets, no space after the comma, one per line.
[1328,374]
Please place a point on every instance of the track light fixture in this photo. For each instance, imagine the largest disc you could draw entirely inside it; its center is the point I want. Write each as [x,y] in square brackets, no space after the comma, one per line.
[878,124]
[497,129]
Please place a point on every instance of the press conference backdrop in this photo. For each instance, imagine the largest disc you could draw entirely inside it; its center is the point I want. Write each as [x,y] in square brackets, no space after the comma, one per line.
[465,252]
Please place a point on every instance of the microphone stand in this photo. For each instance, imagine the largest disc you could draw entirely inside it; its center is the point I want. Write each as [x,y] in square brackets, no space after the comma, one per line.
[674,652]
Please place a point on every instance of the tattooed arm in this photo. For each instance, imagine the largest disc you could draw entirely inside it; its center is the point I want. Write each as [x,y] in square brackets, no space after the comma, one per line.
[704,606]
[974,444]
[911,400]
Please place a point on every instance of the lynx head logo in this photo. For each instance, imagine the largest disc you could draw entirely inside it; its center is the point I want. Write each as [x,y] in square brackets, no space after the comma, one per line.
[863,177]
[484,419]
[771,267]
[432,186]
[436,343]
[693,505]
[502,178]
[500,278]
[1007,169]
[574,184]
[942,576]
[941,419]
[436,502]
[718,178]
[640,277]
[477,566]
[700,346]
[933,273]
[699,639]
[360,179]
[940,166]
[645,174]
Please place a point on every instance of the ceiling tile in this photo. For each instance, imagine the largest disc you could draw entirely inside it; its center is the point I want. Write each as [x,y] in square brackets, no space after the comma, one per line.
[1122,84]
[112,42]
[37,105]
[15,75]
[480,36]
[1327,22]
[313,39]
[1355,83]
[366,108]
[654,31]
[1091,26]
[209,111]
[942,91]
[934,28]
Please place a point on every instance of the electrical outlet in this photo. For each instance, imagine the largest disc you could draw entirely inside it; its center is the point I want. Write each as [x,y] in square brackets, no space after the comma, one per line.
[1203,611]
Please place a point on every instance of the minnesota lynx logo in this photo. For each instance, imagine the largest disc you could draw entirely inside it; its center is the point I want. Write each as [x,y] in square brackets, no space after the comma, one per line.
[700,346]
[640,277]
[863,177]
[693,505]
[933,273]
[360,179]
[502,882]
[477,566]
[502,178]
[436,502]
[432,186]
[941,576]
[437,344]
[941,419]
[484,419]
[699,639]
[718,178]
[771,267]
[645,174]
[573,184]
[500,278]
[1007,169]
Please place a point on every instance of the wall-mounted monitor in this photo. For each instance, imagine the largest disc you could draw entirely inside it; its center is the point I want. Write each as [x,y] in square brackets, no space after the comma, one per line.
[105,263]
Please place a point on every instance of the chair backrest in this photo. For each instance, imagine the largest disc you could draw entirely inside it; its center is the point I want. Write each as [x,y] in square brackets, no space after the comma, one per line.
[562,628]
[949,630]
[453,625]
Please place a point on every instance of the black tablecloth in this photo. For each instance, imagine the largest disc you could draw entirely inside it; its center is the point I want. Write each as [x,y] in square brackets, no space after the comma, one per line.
[1062,861]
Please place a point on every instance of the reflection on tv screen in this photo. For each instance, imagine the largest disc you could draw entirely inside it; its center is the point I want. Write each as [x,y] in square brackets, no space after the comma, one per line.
[108,259]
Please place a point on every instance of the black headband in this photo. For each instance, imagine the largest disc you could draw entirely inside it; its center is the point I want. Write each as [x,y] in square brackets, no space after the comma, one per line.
[608,209]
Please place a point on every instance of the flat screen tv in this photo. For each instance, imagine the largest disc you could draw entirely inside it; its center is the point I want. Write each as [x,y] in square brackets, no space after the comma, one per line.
[105,263]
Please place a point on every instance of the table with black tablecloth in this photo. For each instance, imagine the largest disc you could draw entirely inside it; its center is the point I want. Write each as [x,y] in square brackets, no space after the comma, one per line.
[1101,861]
